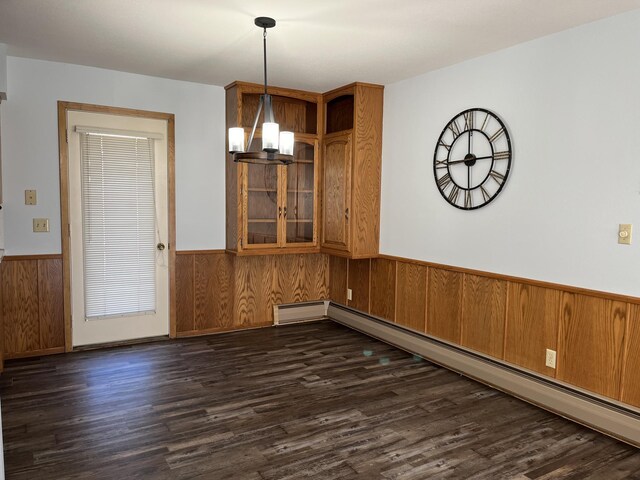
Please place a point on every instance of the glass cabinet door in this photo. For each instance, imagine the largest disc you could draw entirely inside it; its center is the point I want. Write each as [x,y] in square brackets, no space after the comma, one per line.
[261,205]
[300,204]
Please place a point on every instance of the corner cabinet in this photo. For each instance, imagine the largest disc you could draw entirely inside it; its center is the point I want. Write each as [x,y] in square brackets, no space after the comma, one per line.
[351,173]
[274,209]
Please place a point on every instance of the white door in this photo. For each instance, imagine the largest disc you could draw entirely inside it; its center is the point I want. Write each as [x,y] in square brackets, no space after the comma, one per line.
[119,227]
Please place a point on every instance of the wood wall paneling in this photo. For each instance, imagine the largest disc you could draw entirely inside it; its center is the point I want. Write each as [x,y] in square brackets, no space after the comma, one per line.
[532,326]
[50,303]
[185,308]
[213,291]
[338,279]
[411,296]
[254,299]
[20,306]
[383,288]
[316,277]
[444,304]
[288,279]
[483,314]
[590,343]
[359,277]
[630,390]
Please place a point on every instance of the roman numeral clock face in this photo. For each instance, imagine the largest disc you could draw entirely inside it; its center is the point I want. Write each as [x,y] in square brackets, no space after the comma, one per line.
[472,159]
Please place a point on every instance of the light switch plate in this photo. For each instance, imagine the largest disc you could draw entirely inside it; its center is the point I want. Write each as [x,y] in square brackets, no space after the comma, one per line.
[30,197]
[40,224]
[349,294]
[624,233]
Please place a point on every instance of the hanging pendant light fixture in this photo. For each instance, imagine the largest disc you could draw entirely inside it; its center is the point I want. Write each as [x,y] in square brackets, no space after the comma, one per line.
[277,147]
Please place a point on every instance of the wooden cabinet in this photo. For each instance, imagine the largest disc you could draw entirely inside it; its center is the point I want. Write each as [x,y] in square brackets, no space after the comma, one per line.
[274,209]
[352,163]
[336,152]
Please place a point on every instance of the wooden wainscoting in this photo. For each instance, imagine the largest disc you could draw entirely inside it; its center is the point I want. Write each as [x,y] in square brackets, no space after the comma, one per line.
[596,334]
[32,305]
[218,291]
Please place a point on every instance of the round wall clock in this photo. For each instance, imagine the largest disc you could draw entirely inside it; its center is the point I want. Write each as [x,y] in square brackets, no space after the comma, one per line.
[472,159]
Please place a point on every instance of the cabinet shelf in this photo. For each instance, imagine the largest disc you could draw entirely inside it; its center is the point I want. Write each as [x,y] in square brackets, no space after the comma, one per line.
[302,220]
[305,190]
[269,190]
[262,220]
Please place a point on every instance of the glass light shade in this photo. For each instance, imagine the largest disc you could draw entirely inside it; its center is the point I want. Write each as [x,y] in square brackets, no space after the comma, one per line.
[236,139]
[286,143]
[270,136]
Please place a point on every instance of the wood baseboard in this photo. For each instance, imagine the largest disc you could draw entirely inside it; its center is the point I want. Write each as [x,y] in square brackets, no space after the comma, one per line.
[34,353]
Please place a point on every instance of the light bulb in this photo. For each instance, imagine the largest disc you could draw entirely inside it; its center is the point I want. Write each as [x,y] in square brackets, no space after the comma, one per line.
[236,139]
[286,143]
[270,136]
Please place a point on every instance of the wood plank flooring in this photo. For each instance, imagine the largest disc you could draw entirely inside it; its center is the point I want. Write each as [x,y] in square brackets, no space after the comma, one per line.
[307,401]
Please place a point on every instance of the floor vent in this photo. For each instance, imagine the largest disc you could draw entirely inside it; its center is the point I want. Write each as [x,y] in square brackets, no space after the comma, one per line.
[600,413]
[289,313]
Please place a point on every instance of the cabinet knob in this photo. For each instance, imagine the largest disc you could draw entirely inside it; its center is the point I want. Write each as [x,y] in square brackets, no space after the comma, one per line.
[285,212]
[346,213]
[279,212]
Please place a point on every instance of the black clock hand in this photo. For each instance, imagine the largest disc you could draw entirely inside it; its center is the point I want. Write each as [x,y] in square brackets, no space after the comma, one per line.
[468,176]
[467,159]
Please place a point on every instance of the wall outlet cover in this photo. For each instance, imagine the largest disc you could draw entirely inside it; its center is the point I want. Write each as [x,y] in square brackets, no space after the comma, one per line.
[550,360]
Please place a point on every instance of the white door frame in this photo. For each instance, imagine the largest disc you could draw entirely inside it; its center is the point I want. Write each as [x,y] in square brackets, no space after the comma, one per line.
[63,109]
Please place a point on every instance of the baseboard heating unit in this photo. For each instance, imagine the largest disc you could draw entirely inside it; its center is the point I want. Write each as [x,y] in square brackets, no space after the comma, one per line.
[287,314]
[602,414]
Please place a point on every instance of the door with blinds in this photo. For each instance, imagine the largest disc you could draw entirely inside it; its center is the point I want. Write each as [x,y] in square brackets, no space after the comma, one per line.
[118,227]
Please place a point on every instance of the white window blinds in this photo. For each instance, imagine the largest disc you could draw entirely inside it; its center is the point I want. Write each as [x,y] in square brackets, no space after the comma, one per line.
[118,213]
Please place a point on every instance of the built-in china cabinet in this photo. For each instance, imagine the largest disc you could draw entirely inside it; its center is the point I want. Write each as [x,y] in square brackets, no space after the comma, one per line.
[274,209]
[329,198]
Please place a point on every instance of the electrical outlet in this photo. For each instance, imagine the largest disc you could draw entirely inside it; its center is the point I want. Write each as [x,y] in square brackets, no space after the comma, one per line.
[550,358]
[40,224]
[30,197]
[349,294]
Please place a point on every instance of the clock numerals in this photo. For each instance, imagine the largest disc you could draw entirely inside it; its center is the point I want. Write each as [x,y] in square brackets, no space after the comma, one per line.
[485,122]
[496,135]
[441,143]
[468,120]
[502,155]
[497,176]
[444,181]
[485,195]
[453,194]
[454,127]
[468,199]
[441,164]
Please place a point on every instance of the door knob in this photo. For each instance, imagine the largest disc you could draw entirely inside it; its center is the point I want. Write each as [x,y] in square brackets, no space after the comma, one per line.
[160,246]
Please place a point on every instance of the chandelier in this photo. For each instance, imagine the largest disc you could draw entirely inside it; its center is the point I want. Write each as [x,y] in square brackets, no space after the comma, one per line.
[277,146]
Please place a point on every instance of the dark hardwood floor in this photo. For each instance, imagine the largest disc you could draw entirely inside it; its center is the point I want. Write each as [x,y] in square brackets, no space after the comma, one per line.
[308,401]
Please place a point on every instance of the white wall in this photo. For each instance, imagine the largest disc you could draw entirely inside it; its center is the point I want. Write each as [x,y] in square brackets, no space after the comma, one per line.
[30,147]
[571,102]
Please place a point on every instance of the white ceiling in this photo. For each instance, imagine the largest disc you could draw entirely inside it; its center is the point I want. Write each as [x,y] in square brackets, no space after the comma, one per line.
[316,45]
